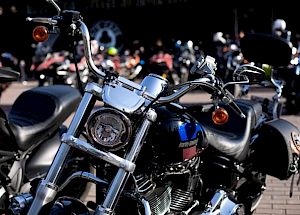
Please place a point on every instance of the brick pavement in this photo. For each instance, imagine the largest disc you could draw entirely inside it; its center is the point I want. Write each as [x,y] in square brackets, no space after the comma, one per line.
[276,199]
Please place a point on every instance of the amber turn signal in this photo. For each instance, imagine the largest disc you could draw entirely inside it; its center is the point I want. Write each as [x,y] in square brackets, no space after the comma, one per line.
[40,33]
[220,116]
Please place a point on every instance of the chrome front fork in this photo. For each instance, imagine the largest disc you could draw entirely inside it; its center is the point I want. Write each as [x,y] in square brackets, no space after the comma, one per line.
[47,188]
[122,175]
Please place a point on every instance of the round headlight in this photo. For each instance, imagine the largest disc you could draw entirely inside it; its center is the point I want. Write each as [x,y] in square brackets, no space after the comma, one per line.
[109,128]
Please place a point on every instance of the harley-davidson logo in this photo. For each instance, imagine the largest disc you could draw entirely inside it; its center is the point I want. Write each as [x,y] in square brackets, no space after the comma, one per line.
[188,144]
[107,33]
[189,134]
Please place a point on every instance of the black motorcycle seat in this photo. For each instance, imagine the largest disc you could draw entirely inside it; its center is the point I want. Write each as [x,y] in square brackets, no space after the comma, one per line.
[39,112]
[232,138]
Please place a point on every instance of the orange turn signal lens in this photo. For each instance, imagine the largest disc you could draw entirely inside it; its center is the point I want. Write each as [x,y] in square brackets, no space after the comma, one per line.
[40,33]
[220,116]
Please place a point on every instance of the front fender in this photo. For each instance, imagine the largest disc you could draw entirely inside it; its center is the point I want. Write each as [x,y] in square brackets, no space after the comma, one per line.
[67,206]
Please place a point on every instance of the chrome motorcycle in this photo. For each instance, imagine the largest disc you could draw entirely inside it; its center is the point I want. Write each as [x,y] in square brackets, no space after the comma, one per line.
[153,156]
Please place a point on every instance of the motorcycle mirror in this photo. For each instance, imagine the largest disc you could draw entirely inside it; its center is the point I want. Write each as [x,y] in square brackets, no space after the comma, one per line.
[266,48]
[249,74]
[40,33]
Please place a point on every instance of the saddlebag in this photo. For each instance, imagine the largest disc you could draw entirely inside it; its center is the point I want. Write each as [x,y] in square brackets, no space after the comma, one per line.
[277,148]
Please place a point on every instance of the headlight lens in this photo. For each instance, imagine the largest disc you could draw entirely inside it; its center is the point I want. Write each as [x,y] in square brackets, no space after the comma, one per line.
[109,128]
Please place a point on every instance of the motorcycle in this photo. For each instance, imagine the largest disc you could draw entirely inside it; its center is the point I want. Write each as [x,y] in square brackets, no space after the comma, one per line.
[184,59]
[30,136]
[256,48]
[131,64]
[48,71]
[291,90]
[154,157]
[162,64]
[7,60]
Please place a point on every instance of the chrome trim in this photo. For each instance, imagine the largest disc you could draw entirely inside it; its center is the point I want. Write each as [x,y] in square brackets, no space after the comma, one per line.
[47,189]
[146,206]
[87,50]
[130,83]
[221,204]
[49,21]
[85,175]
[186,87]
[94,89]
[44,194]
[63,151]
[84,105]
[104,211]
[138,142]
[20,203]
[55,5]
[188,211]
[107,156]
[151,115]
[121,177]
[97,117]
[154,84]
[174,96]
[122,99]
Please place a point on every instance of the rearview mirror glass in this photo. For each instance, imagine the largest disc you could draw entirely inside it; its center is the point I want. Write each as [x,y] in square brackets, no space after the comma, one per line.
[249,74]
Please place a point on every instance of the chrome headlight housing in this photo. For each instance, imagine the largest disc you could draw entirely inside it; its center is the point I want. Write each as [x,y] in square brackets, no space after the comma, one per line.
[109,128]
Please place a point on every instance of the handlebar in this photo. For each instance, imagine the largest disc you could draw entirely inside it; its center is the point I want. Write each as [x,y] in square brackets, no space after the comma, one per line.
[87,50]
[205,67]
[183,89]
[80,25]
[205,82]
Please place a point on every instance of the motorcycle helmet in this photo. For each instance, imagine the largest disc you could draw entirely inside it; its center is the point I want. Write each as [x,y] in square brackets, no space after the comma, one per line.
[279,25]
[112,51]
[95,47]
[218,38]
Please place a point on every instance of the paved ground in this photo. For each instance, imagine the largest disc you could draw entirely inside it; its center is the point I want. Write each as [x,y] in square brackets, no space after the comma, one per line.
[276,199]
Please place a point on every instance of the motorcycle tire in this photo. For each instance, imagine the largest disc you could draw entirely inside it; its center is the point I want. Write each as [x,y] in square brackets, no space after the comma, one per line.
[68,206]
[65,206]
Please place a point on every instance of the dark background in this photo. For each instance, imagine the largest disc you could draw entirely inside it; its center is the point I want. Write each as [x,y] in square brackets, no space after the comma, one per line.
[147,20]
